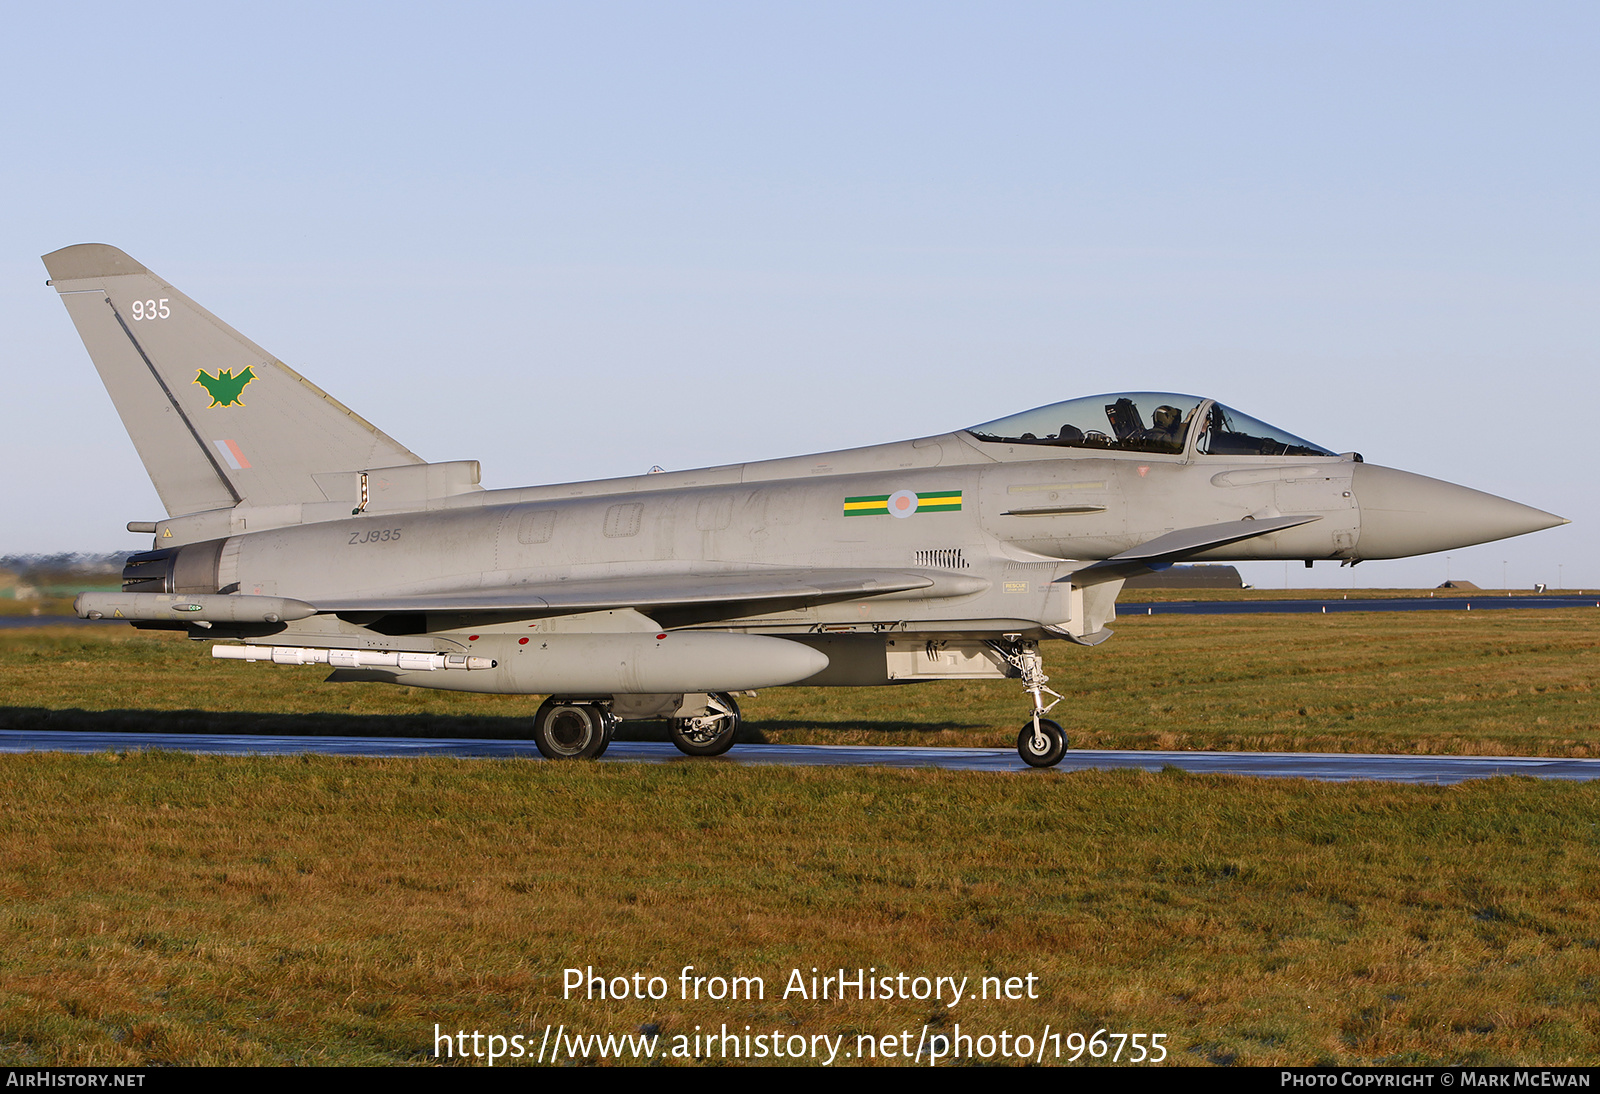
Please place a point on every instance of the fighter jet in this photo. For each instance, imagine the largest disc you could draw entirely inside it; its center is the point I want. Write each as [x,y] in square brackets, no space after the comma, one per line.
[298,533]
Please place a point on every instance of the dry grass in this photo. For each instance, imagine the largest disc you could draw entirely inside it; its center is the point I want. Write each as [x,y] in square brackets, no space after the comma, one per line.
[163,908]
[1490,683]
[1149,596]
[1484,683]
[45,605]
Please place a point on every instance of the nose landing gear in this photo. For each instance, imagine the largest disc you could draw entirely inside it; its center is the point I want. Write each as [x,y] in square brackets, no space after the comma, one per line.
[1042,742]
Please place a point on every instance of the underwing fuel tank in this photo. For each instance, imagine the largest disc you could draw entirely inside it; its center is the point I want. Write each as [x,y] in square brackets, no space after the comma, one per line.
[651,663]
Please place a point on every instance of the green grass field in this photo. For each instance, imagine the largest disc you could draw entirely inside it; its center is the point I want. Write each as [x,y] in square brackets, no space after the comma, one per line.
[163,908]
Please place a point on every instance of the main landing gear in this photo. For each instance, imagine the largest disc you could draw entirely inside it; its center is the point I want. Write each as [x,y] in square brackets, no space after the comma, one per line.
[581,729]
[1042,742]
[711,733]
[573,729]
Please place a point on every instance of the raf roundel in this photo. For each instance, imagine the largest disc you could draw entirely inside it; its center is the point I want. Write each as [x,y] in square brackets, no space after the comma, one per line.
[902,503]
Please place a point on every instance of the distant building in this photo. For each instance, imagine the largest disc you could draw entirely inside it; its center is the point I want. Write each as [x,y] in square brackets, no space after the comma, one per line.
[1189,577]
[1458,585]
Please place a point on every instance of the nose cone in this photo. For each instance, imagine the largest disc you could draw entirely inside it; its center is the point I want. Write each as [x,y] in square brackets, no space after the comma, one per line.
[1404,514]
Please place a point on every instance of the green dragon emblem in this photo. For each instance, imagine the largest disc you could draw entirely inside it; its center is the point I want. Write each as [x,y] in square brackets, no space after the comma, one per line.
[225,387]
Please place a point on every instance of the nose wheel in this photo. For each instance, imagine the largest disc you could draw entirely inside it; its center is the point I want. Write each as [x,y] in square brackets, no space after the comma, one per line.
[1042,743]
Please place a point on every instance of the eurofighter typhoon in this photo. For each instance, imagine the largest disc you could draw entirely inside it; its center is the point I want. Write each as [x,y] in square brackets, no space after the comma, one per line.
[298,533]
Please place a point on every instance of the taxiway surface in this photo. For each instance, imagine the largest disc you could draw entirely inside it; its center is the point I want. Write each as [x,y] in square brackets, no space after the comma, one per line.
[1326,766]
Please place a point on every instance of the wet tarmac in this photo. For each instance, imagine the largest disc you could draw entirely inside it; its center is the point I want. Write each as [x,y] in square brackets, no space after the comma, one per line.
[1324,766]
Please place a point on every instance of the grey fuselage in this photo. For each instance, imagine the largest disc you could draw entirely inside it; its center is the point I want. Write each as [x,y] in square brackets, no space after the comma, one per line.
[1028,517]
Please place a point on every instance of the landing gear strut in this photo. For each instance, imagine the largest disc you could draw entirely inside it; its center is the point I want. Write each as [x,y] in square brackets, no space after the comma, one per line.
[1042,741]
[711,733]
[571,729]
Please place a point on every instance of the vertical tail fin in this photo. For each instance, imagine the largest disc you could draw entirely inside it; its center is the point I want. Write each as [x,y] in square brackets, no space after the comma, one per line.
[217,420]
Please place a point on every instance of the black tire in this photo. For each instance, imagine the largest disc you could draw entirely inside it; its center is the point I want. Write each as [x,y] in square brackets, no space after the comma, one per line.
[1055,744]
[703,740]
[611,722]
[564,730]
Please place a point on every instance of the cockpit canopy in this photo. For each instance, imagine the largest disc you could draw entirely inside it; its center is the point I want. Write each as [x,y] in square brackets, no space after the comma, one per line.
[1146,421]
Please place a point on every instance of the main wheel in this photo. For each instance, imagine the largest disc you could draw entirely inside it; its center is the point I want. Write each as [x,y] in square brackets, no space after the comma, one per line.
[1044,748]
[571,731]
[609,723]
[711,733]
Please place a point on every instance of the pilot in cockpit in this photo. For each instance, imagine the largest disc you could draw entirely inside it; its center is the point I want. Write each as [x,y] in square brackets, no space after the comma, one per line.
[1166,428]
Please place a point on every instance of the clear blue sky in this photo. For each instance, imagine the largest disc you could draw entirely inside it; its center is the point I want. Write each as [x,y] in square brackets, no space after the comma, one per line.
[576,240]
